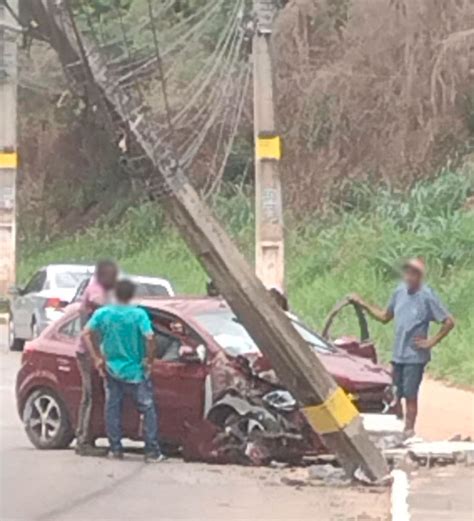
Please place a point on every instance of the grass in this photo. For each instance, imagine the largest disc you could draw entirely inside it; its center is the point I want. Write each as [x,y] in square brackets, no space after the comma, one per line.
[357,248]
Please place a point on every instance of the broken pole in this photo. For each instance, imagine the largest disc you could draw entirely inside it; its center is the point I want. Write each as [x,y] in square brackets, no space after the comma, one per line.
[328,410]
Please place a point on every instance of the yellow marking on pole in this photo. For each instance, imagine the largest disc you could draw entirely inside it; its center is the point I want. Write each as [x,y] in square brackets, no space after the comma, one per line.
[8,160]
[269,147]
[332,415]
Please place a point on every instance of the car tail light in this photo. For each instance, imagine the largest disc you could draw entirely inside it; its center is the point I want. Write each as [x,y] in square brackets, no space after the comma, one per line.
[55,303]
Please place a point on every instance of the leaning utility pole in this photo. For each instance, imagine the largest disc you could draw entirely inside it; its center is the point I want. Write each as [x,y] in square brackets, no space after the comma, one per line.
[328,410]
[269,239]
[8,146]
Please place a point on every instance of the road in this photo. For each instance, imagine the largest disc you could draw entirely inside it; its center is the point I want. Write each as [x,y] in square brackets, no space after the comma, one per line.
[58,485]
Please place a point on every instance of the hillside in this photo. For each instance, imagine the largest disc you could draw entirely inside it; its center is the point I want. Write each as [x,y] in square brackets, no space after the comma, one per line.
[366,91]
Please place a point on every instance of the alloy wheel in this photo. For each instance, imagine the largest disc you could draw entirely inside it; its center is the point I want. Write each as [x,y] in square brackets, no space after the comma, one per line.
[45,418]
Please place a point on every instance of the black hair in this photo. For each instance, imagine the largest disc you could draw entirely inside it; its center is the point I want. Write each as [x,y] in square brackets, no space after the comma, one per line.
[104,265]
[211,289]
[125,290]
[279,298]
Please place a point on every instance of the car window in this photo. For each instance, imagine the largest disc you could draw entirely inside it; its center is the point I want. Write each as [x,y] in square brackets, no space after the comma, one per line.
[151,290]
[228,332]
[72,328]
[232,336]
[81,288]
[36,282]
[69,279]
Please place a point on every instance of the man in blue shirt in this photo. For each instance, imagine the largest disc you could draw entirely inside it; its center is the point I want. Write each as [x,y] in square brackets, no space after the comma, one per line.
[124,359]
[413,305]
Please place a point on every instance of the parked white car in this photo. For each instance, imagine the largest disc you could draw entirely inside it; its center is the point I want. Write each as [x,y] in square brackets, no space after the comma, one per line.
[146,286]
[42,300]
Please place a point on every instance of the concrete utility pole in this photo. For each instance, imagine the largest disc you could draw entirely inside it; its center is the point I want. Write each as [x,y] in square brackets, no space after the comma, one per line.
[8,144]
[269,250]
[325,405]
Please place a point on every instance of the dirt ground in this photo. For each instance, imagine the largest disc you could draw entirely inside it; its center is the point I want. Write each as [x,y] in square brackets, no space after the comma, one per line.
[445,411]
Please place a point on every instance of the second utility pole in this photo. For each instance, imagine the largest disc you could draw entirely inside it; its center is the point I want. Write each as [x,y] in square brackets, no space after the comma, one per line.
[269,240]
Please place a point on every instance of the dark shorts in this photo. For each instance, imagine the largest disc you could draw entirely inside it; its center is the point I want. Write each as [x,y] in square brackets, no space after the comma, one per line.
[407,379]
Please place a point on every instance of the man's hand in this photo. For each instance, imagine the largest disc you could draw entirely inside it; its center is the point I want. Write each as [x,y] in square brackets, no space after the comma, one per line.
[147,365]
[355,299]
[424,343]
[99,364]
[382,315]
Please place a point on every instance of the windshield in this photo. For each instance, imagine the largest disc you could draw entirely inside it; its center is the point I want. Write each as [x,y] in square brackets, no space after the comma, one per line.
[232,336]
[70,279]
[151,290]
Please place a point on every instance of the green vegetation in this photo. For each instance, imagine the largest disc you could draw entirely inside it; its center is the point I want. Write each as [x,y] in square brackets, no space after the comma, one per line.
[356,247]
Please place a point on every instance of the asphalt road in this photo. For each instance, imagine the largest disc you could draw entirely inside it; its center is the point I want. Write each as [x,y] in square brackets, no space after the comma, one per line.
[58,485]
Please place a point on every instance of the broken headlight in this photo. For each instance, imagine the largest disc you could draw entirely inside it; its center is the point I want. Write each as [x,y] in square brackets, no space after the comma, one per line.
[389,397]
[280,400]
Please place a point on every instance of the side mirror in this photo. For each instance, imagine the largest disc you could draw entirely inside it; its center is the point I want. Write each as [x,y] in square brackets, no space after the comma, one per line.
[14,291]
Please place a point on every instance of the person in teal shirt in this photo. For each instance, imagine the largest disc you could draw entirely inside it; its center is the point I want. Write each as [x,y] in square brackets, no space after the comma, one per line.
[120,340]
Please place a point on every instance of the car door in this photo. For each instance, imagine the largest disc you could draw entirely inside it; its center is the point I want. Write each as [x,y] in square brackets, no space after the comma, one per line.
[64,342]
[179,386]
[24,305]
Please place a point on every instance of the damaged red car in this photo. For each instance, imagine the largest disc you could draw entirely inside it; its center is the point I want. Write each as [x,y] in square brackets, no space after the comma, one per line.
[218,397]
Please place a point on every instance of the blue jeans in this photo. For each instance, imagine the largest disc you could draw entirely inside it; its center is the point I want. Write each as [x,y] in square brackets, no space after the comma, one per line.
[142,395]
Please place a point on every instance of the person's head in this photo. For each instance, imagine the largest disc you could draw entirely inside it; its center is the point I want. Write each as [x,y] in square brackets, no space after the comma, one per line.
[413,273]
[106,272]
[279,297]
[125,291]
[211,289]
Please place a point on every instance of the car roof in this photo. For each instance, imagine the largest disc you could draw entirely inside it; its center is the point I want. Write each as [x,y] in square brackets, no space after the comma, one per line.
[184,306]
[148,279]
[78,268]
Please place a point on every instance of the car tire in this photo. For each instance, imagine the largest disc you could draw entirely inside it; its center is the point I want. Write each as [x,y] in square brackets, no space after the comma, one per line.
[46,420]
[15,344]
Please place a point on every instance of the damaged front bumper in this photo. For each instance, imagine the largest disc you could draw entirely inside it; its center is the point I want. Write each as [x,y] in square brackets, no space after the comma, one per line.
[250,431]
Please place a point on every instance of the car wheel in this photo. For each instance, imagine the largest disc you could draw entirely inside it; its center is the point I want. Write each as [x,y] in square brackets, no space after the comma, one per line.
[46,420]
[16,344]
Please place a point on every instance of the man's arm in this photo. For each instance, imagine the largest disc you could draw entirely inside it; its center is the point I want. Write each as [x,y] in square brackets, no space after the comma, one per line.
[93,348]
[382,315]
[428,343]
[150,351]
[146,330]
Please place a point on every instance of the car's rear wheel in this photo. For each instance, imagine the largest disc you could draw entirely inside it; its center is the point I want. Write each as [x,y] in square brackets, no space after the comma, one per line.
[46,420]
[16,344]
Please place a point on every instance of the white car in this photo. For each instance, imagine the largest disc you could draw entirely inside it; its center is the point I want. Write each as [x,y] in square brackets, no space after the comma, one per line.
[151,286]
[146,286]
[42,300]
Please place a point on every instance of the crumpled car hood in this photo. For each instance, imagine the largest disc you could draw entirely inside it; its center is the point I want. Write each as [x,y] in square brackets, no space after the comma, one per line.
[351,372]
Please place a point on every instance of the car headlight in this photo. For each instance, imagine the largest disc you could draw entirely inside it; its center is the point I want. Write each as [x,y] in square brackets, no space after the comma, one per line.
[389,397]
[280,400]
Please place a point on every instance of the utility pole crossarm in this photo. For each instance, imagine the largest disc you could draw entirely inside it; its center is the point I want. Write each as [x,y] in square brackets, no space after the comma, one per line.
[327,408]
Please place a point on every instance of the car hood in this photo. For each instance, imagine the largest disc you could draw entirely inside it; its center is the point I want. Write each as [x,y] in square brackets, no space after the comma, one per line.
[350,372]
[355,372]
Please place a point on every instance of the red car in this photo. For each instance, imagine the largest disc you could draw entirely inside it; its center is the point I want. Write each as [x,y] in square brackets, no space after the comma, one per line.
[218,397]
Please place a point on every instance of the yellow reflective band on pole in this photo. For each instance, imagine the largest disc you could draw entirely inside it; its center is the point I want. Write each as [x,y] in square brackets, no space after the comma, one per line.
[269,147]
[8,160]
[332,415]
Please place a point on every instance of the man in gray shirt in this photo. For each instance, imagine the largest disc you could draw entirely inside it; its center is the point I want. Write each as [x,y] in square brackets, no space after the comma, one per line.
[413,305]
